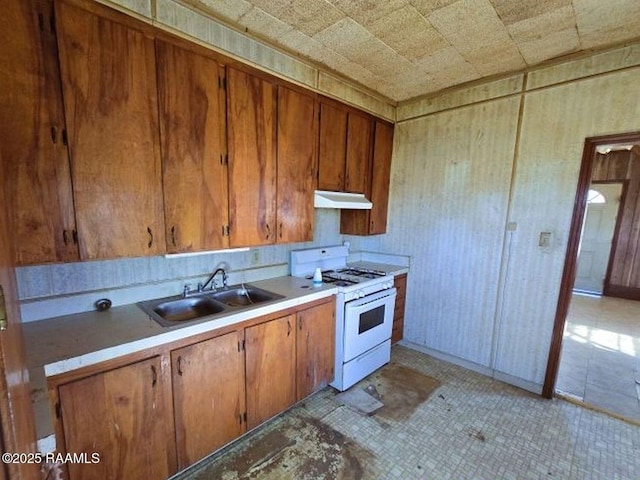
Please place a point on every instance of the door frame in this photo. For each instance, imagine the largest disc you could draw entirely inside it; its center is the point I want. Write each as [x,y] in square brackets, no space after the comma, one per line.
[571,256]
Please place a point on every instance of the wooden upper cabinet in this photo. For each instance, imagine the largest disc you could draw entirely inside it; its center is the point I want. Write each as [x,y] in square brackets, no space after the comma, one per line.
[110,96]
[124,416]
[315,345]
[380,177]
[374,221]
[358,157]
[251,134]
[35,156]
[297,161]
[332,148]
[193,145]
[270,368]
[209,396]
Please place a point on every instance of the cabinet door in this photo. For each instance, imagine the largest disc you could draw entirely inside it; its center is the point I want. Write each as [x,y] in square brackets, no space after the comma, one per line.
[34,153]
[122,416]
[208,393]
[297,160]
[315,348]
[251,133]
[192,130]
[374,221]
[270,369]
[109,85]
[332,148]
[358,157]
[380,177]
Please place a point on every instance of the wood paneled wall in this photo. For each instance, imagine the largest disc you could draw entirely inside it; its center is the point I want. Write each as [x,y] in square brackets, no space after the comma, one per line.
[623,279]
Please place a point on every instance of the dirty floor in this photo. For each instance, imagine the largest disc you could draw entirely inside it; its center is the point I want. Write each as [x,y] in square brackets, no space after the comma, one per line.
[439,422]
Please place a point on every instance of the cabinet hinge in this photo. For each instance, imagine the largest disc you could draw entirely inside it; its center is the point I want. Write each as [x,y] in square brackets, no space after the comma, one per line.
[65,140]
[58,411]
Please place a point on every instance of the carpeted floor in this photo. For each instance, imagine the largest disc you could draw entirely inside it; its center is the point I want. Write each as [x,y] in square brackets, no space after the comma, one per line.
[439,422]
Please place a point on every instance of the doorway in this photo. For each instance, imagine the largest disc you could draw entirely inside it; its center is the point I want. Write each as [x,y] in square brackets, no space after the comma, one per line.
[598,228]
[596,336]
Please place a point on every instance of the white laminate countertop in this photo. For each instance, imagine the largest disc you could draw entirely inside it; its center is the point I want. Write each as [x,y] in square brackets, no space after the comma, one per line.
[73,341]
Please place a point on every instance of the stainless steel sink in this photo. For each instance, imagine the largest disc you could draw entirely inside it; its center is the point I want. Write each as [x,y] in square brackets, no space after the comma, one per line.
[187,309]
[244,295]
[172,311]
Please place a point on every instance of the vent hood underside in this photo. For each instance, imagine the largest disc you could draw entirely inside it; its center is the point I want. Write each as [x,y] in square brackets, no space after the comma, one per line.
[324,199]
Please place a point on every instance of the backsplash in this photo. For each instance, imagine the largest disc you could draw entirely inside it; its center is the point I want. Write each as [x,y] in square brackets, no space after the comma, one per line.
[52,290]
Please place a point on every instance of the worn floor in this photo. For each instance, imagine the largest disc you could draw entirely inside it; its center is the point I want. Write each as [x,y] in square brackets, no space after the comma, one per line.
[439,422]
[600,362]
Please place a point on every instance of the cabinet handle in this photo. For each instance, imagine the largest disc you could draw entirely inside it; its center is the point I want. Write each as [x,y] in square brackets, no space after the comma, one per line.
[54,134]
[65,237]
[268,231]
[288,328]
[173,235]
[180,365]
[154,376]
[74,234]
[280,229]
[150,236]
[300,323]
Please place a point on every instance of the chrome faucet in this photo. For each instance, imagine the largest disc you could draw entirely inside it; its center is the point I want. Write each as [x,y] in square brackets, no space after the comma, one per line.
[202,287]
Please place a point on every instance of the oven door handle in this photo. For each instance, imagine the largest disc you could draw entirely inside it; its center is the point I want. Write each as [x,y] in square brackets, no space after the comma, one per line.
[383,295]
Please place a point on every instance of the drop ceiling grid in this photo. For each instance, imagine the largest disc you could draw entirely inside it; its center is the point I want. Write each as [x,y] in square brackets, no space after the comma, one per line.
[407,48]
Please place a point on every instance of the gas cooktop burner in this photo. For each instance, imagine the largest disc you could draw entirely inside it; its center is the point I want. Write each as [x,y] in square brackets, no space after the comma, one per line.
[361,272]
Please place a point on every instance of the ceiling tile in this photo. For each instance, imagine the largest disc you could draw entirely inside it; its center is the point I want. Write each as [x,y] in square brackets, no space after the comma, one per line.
[407,32]
[425,7]
[310,16]
[263,23]
[351,40]
[448,68]
[601,23]
[474,29]
[512,11]
[368,11]
[546,36]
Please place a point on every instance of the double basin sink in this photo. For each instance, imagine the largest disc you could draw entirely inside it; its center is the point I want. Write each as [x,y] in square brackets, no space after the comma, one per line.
[171,311]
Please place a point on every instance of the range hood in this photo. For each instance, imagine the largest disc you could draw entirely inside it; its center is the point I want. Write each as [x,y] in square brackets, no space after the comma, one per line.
[357,201]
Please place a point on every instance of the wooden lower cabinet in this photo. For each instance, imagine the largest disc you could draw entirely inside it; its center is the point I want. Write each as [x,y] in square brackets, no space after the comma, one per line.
[208,396]
[315,345]
[270,368]
[400,282]
[122,416]
[148,419]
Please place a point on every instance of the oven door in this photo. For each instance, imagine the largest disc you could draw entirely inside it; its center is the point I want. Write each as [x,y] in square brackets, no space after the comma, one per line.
[368,322]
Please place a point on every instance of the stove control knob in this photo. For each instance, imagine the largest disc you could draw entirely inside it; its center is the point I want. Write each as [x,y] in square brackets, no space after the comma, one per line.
[360,294]
[389,285]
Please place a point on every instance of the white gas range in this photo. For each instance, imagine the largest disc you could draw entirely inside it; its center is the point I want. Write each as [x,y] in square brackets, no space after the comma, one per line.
[364,311]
